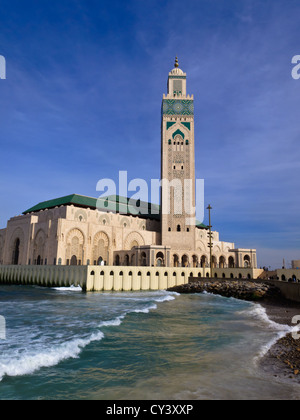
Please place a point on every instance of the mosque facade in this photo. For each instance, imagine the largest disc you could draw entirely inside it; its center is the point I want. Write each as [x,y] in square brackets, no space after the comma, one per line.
[80,230]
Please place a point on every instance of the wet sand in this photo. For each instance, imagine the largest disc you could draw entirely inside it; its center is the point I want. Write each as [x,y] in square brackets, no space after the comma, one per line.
[283,359]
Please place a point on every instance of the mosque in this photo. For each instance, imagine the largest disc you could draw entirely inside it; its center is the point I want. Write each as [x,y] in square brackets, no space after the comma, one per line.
[79,230]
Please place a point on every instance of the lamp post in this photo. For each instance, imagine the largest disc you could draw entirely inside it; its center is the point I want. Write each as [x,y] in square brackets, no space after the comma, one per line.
[209,208]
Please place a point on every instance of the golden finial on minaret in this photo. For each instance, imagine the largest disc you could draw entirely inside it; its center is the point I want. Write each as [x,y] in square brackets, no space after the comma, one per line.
[176,62]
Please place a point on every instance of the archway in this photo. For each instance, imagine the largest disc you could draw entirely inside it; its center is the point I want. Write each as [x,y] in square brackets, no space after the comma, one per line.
[203,261]
[175,260]
[214,261]
[143,259]
[231,262]
[247,263]
[74,260]
[222,262]
[39,260]
[16,252]
[160,259]
[75,247]
[184,261]
[195,261]
[101,247]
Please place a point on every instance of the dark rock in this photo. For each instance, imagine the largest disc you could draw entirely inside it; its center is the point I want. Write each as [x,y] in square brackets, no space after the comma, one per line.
[242,289]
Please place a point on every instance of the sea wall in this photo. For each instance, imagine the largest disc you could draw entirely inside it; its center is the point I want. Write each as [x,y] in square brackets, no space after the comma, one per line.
[43,275]
[289,290]
[138,278]
[101,278]
[107,278]
[286,274]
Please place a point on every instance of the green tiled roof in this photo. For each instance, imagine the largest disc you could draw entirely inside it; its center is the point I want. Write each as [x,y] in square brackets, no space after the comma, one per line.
[112,203]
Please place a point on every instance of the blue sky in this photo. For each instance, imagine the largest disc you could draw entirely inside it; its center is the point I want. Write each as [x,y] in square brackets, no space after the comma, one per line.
[83,93]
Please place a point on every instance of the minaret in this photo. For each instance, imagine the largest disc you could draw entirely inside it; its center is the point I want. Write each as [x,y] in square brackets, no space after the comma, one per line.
[177,164]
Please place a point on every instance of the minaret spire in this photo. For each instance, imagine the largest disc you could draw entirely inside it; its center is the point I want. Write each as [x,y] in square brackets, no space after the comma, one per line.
[178,164]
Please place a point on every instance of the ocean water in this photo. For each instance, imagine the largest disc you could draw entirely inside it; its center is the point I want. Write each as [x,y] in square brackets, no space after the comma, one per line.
[66,344]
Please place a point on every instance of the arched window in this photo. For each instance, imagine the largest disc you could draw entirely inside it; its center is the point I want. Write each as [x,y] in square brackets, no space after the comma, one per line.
[178,228]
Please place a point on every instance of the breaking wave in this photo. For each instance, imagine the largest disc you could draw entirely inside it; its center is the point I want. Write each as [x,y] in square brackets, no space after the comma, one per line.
[19,361]
[259,313]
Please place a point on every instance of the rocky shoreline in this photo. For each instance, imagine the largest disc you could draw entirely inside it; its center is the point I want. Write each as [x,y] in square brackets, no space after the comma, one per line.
[283,359]
[239,289]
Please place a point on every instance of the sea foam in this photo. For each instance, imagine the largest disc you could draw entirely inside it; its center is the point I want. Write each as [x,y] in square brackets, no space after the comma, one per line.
[68,289]
[260,313]
[30,363]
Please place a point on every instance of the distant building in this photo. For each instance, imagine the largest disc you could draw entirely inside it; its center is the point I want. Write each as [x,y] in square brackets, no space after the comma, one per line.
[295,264]
[76,230]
